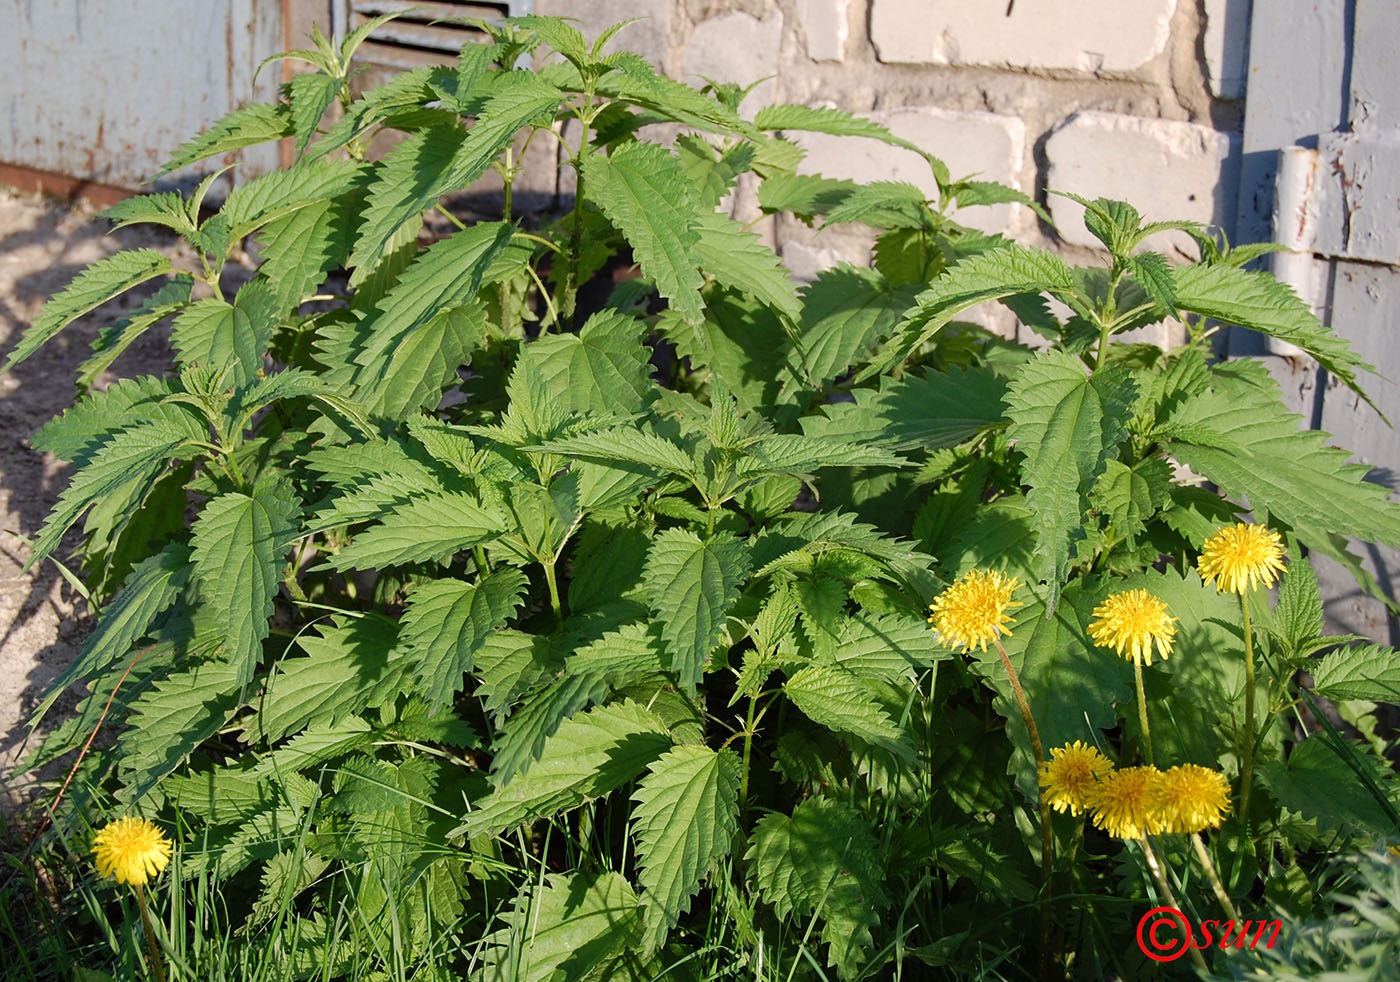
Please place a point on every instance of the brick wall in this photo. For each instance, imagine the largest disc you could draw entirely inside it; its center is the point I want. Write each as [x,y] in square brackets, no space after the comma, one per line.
[1139,99]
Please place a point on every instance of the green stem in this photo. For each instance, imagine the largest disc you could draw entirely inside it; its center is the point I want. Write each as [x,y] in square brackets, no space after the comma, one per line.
[1106,314]
[748,753]
[1155,868]
[553,591]
[508,178]
[1046,831]
[576,233]
[156,964]
[1142,712]
[1247,753]
[1213,876]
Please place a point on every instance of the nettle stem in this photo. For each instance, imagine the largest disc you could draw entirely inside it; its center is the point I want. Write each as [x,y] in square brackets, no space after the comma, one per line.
[1247,751]
[567,303]
[156,965]
[1047,834]
[1142,712]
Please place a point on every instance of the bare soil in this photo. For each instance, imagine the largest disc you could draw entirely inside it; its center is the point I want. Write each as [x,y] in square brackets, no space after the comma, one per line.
[43,620]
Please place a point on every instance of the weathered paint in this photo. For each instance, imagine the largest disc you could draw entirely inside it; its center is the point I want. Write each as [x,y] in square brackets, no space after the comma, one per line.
[103,90]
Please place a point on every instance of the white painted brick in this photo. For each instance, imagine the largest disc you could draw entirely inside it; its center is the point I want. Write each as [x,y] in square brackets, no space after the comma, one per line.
[649,37]
[984,144]
[824,25]
[1226,44]
[738,48]
[1076,35]
[1167,170]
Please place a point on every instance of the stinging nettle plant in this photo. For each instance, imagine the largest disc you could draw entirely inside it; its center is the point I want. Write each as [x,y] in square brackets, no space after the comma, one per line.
[592,633]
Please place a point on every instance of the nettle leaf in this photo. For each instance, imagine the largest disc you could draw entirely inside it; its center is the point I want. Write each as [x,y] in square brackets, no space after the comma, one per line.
[836,122]
[884,204]
[447,621]
[890,646]
[1259,301]
[712,173]
[942,409]
[1067,425]
[624,446]
[1289,472]
[736,259]
[1367,672]
[94,286]
[691,585]
[310,95]
[846,312]
[223,336]
[427,529]
[686,815]
[85,427]
[299,250]
[1298,616]
[1004,271]
[174,717]
[413,373]
[834,698]
[822,862]
[245,127]
[589,756]
[349,665]
[567,927]
[1129,496]
[805,195]
[795,539]
[240,543]
[604,368]
[641,189]
[166,208]
[1321,782]
[426,166]
[150,588]
[113,340]
[252,205]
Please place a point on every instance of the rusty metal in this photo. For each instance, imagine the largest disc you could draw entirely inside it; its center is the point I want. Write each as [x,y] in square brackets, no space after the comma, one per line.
[60,185]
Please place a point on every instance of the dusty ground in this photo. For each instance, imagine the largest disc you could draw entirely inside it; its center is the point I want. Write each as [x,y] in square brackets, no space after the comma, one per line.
[43,622]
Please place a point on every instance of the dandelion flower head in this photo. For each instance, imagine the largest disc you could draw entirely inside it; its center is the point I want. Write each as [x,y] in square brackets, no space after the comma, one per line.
[1132,623]
[1240,557]
[1189,798]
[972,611]
[132,849]
[1119,802]
[1068,777]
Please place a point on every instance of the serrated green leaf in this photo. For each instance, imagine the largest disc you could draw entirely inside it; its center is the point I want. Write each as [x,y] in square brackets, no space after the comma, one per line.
[884,204]
[605,368]
[686,815]
[166,208]
[240,543]
[94,286]
[641,189]
[1005,271]
[625,446]
[114,339]
[1319,782]
[846,312]
[265,199]
[822,862]
[834,698]
[1155,277]
[796,538]
[412,374]
[310,95]
[691,585]
[837,122]
[349,665]
[1129,496]
[429,164]
[890,646]
[149,590]
[431,529]
[84,427]
[298,250]
[735,258]
[805,195]
[568,927]
[1298,614]
[1289,472]
[1367,672]
[942,409]
[1068,425]
[174,717]
[447,621]
[245,127]
[589,756]
[1258,301]
[223,336]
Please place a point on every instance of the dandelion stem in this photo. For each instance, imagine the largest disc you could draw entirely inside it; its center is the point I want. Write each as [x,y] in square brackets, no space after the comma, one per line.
[1046,832]
[1142,712]
[1155,868]
[151,946]
[1247,752]
[1213,876]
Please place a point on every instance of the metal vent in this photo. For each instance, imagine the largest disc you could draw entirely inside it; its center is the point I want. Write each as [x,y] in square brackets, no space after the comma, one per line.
[425,35]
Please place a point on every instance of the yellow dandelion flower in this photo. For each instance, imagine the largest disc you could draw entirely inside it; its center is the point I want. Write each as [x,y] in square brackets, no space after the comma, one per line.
[132,849]
[1069,775]
[1119,802]
[1131,623]
[1189,798]
[1241,557]
[972,611]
